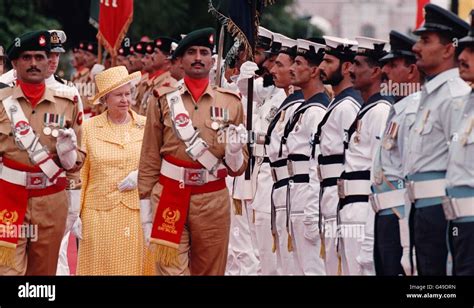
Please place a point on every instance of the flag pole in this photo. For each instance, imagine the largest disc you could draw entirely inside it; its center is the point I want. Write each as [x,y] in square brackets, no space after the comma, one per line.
[220,52]
[248,171]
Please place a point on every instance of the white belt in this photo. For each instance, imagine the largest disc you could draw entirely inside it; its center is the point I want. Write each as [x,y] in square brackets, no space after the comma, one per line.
[426,189]
[187,176]
[298,167]
[30,180]
[458,207]
[353,187]
[258,150]
[388,199]
[330,171]
[280,173]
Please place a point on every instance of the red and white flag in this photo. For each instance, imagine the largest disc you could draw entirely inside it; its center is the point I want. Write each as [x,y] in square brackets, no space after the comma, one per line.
[420,15]
[115,17]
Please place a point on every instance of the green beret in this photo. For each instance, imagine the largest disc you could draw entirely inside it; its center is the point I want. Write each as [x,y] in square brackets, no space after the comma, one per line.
[202,37]
[31,41]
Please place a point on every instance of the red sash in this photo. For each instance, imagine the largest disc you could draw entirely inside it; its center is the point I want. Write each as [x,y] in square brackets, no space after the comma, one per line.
[172,212]
[13,205]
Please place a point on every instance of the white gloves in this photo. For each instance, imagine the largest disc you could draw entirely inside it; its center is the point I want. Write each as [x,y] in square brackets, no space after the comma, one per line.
[74,208]
[311,232]
[366,258]
[247,71]
[146,219]
[129,182]
[66,145]
[77,228]
[237,138]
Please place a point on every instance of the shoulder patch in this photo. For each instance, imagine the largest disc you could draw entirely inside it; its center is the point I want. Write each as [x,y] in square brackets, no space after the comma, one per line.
[163,91]
[67,94]
[227,91]
[457,87]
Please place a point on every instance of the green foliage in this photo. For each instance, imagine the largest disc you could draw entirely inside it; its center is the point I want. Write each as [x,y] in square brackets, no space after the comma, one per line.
[279,18]
[21,16]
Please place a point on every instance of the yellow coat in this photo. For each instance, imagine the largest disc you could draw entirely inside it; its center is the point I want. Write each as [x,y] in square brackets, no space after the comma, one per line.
[111,156]
[112,238]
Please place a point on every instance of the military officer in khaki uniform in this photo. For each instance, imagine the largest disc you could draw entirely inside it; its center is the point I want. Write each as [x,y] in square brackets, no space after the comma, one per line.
[143,85]
[40,133]
[161,75]
[82,79]
[193,138]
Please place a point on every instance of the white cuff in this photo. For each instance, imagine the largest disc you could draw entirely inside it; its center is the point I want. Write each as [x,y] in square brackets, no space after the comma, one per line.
[234,160]
[145,211]
[68,160]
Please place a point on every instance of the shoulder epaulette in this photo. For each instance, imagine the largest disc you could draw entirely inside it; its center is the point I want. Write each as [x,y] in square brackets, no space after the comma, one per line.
[227,91]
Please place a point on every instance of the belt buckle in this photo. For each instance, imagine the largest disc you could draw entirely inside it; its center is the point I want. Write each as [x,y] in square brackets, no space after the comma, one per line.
[410,187]
[340,188]
[374,202]
[448,208]
[35,180]
[320,176]
[195,177]
[291,171]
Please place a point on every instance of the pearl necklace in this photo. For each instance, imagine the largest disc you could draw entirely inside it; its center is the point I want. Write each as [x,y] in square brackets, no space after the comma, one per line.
[119,122]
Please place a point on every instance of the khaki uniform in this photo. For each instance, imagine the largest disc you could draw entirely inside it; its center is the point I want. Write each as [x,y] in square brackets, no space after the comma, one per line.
[162,80]
[48,212]
[208,221]
[84,83]
[140,91]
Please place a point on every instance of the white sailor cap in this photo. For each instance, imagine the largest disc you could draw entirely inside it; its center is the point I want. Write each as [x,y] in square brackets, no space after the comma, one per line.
[341,48]
[372,48]
[288,46]
[58,38]
[2,51]
[265,38]
[310,49]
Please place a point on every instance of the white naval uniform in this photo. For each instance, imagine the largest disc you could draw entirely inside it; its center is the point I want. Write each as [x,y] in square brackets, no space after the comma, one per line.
[304,185]
[278,160]
[250,244]
[74,195]
[356,219]
[242,258]
[338,118]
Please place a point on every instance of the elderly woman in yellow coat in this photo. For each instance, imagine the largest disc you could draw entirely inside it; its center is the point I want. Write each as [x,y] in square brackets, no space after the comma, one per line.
[112,238]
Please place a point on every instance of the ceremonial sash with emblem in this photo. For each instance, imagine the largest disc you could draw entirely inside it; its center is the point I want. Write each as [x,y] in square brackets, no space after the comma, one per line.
[172,212]
[13,204]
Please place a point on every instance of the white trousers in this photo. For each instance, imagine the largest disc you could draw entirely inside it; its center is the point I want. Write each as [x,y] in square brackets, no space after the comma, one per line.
[63,265]
[306,247]
[242,256]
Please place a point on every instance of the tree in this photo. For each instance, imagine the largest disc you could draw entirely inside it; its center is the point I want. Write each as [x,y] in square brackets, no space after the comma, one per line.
[21,16]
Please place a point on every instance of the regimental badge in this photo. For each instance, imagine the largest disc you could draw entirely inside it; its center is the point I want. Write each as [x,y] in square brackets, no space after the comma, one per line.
[220,117]
[22,128]
[42,41]
[182,120]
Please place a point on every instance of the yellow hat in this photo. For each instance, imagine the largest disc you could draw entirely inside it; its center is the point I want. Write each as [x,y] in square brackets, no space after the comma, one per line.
[111,79]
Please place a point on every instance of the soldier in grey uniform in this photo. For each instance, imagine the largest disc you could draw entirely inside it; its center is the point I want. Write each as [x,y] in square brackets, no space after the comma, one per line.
[388,185]
[442,100]
[459,204]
